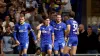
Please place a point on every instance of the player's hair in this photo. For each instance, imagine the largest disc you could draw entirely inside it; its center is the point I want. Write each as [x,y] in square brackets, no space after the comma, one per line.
[58,14]
[72,14]
[44,17]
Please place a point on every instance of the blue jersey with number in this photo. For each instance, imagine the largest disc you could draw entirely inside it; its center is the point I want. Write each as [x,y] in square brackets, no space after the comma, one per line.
[46,34]
[59,30]
[74,27]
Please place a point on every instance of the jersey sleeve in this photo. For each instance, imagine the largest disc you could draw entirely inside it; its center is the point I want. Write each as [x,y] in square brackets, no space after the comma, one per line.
[31,32]
[68,22]
[15,32]
[52,30]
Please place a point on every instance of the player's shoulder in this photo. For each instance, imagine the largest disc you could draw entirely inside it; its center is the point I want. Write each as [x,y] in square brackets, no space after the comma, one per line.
[50,26]
[27,23]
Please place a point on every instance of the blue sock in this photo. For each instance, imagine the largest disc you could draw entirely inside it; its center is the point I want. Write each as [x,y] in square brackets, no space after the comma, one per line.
[24,54]
[66,54]
[61,54]
[55,54]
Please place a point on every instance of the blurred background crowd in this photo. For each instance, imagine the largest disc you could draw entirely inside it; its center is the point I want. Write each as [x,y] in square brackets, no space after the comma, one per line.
[34,10]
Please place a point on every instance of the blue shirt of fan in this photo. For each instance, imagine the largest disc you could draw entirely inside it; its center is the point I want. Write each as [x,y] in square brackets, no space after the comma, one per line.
[74,27]
[46,34]
[21,32]
[59,31]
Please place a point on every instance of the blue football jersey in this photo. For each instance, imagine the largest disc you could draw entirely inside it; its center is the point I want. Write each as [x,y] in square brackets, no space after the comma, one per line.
[21,32]
[59,31]
[74,27]
[46,34]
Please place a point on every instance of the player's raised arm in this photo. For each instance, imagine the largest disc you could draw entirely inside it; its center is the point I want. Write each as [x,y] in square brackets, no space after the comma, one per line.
[32,32]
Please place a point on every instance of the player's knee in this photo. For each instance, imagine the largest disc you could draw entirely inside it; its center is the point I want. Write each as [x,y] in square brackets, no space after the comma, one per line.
[56,52]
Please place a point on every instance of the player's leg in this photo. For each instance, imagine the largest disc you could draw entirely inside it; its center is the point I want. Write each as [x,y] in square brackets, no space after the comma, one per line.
[62,44]
[67,47]
[56,48]
[20,50]
[74,47]
[49,49]
[25,47]
[73,51]
[43,49]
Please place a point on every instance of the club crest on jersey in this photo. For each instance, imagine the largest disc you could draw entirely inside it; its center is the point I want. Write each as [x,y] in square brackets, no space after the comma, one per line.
[59,26]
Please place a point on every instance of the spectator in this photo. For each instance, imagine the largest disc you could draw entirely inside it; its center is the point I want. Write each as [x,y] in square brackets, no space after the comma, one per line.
[1,35]
[7,22]
[65,6]
[32,3]
[92,41]
[11,15]
[7,41]
[0,22]
[82,40]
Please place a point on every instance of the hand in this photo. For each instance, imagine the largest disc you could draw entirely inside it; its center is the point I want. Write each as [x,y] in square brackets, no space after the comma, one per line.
[14,45]
[35,41]
[66,39]
[17,42]
[38,39]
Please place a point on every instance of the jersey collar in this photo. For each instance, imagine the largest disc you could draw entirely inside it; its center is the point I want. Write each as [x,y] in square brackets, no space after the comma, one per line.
[22,23]
[71,18]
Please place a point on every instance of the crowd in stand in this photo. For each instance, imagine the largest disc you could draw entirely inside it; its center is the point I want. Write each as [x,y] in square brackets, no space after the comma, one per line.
[34,11]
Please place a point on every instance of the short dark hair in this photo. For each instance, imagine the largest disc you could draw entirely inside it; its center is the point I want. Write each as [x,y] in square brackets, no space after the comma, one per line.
[72,14]
[44,17]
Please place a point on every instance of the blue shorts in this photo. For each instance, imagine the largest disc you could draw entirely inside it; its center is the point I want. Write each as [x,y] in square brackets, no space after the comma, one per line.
[23,46]
[45,47]
[58,45]
[73,41]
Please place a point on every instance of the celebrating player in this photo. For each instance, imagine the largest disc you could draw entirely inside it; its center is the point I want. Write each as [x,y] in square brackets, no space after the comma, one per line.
[59,32]
[72,31]
[46,34]
[21,37]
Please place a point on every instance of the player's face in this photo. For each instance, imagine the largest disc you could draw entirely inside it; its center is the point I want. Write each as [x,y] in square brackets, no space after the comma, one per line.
[22,19]
[47,21]
[58,18]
